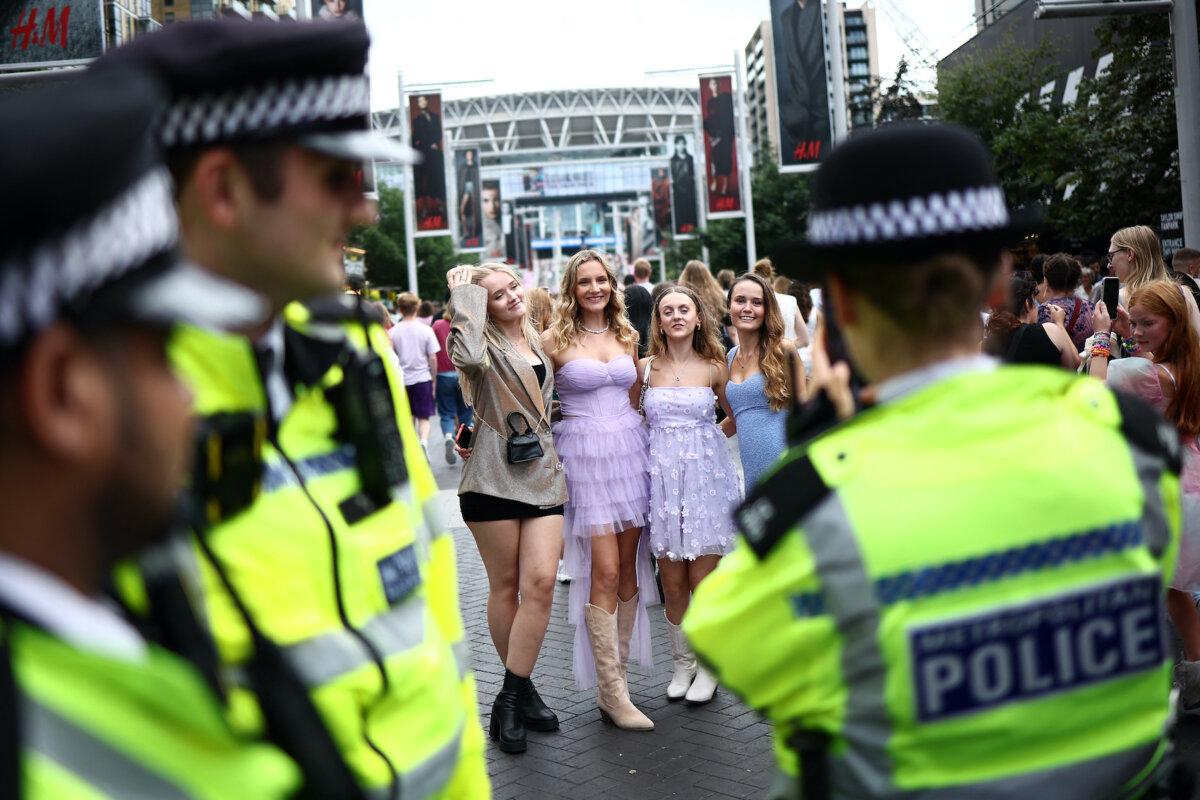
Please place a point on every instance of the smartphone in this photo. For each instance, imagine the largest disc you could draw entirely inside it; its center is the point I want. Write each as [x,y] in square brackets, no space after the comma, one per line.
[1111,295]
[463,437]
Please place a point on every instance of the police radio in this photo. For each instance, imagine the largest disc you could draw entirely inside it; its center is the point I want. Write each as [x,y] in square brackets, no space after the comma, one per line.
[367,421]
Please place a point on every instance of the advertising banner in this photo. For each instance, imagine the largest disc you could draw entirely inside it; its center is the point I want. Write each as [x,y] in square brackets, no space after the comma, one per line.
[801,84]
[683,187]
[429,177]
[337,9]
[469,196]
[49,32]
[493,221]
[660,201]
[720,147]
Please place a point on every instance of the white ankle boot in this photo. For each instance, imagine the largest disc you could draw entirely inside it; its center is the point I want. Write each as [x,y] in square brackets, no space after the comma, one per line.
[685,663]
[702,689]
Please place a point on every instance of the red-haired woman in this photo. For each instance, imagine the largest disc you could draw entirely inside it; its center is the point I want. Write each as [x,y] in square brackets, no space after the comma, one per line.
[1165,371]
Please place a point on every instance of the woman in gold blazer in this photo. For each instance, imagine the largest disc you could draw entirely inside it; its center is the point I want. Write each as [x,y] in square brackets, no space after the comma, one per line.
[514,511]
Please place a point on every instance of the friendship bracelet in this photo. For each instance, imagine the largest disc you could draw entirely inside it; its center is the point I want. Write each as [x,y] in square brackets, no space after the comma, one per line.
[1101,349]
[1130,345]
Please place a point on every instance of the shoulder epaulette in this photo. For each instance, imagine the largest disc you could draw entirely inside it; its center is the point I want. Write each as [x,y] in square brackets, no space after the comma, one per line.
[778,503]
[1145,429]
[335,308]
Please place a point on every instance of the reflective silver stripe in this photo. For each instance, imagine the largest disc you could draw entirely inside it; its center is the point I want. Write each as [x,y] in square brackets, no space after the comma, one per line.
[1155,530]
[427,778]
[90,759]
[325,658]
[462,657]
[1089,780]
[433,518]
[865,770]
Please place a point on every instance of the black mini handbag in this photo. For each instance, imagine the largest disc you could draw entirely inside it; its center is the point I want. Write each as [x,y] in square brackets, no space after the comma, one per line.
[522,446]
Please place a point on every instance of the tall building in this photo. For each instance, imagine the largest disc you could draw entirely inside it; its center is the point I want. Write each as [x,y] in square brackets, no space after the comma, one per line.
[862,65]
[860,60]
[989,11]
[762,110]
[125,19]
[168,11]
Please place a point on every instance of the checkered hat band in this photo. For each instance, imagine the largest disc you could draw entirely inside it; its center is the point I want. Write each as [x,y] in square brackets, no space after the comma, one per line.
[978,209]
[265,107]
[129,231]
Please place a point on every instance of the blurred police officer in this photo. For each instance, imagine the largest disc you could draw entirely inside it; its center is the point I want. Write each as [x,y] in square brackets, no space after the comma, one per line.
[322,572]
[922,603]
[95,438]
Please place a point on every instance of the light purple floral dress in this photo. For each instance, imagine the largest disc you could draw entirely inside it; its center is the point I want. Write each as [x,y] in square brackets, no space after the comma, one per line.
[694,487]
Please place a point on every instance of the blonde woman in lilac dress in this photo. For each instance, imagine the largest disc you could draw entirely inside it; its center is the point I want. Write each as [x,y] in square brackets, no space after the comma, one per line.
[602,443]
[694,485]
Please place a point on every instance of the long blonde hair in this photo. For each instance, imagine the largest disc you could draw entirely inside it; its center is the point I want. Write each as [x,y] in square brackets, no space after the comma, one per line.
[541,308]
[1148,264]
[566,328]
[773,357]
[705,342]
[491,333]
[698,276]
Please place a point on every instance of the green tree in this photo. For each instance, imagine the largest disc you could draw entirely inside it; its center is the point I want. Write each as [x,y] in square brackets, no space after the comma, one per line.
[385,260]
[1125,170]
[899,100]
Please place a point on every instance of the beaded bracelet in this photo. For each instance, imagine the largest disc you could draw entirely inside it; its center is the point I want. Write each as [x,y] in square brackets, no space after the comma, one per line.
[1101,349]
[1130,345]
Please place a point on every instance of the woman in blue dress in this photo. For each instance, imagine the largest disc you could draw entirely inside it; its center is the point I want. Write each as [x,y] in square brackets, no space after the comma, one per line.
[763,368]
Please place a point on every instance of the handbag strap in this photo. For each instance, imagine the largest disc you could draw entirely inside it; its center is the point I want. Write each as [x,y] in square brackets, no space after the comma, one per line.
[645,384]
[1074,314]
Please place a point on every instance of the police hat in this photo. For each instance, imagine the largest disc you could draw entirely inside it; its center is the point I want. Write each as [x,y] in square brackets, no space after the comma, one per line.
[87,220]
[233,81]
[902,193]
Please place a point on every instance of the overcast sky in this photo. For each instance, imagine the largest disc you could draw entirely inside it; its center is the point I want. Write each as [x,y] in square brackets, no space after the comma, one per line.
[527,45]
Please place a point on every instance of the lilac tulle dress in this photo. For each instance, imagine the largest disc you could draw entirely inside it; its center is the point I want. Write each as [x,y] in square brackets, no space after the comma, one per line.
[694,486]
[1139,376]
[602,443]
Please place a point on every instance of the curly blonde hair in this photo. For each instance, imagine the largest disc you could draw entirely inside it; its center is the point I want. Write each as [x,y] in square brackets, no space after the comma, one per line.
[566,328]
[541,308]
[705,341]
[773,357]
[698,276]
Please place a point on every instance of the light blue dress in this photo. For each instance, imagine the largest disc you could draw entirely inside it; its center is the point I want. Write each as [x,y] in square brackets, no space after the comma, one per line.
[761,432]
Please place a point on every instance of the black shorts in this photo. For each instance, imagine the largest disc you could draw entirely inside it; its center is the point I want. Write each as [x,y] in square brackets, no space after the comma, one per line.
[478,507]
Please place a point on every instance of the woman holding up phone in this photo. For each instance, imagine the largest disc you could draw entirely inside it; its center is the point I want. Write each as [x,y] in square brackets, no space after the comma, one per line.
[512,489]
[1135,258]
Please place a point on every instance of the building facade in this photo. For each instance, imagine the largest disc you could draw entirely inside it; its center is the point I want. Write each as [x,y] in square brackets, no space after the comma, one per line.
[860,61]
[168,11]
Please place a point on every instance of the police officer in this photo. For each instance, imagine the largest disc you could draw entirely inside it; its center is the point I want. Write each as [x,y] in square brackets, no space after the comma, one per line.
[921,603]
[325,581]
[95,439]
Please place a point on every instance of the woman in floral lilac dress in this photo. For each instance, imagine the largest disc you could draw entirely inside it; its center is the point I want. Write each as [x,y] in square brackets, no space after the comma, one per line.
[694,486]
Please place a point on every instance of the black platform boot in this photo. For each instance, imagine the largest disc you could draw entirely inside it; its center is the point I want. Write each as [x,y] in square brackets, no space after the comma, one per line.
[506,727]
[535,713]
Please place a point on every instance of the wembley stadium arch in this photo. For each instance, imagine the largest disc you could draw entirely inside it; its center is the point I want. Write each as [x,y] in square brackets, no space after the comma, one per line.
[573,169]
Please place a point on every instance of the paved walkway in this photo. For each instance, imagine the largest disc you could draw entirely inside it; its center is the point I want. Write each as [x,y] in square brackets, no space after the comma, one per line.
[719,750]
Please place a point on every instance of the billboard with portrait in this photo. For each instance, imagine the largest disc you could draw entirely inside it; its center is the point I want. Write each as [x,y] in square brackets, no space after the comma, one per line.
[683,186]
[660,200]
[50,32]
[720,147]
[429,177]
[801,83]
[468,206]
[492,211]
[337,9]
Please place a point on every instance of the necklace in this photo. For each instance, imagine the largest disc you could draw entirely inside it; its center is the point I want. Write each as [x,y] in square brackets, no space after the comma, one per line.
[745,361]
[674,372]
[586,329]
